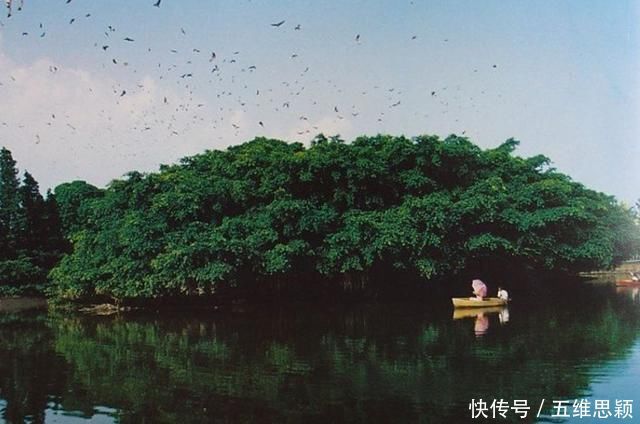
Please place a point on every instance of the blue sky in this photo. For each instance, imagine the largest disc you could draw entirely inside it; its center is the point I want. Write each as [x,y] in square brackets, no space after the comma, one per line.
[560,76]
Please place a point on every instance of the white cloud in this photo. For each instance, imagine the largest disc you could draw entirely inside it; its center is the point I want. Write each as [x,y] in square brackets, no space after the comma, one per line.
[65,123]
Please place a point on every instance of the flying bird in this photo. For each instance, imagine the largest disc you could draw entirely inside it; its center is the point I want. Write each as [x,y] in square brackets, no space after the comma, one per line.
[157,4]
[72,21]
[297,28]
[128,39]
[278,24]
[357,38]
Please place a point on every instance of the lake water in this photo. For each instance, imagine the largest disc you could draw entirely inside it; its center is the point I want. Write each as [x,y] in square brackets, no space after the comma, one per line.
[393,363]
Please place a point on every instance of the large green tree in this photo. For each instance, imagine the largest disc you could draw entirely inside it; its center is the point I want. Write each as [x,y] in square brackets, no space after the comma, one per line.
[33,206]
[268,212]
[11,213]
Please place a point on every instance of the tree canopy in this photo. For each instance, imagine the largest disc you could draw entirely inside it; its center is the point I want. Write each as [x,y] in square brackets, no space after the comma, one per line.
[268,210]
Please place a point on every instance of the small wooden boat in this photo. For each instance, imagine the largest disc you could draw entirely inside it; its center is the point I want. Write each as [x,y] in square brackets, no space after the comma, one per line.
[627,283]
[465,302]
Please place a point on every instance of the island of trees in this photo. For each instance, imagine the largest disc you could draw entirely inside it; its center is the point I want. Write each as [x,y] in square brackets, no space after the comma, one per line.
[269,213]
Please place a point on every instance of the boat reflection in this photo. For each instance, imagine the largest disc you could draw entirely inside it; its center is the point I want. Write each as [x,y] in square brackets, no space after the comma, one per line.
[632,292]
[481,315]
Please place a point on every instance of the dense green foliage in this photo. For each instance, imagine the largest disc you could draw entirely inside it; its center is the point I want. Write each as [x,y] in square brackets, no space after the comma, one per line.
[70,197]
[268,211]
[31,241]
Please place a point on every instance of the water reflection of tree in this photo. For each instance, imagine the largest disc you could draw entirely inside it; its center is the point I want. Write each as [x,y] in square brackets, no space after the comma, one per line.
[30,371]
[364,364]
[360,365]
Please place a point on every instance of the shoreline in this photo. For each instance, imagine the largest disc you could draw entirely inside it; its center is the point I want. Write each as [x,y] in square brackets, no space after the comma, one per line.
[241,300]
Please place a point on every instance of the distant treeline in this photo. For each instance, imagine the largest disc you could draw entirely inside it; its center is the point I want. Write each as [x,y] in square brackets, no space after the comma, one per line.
[31,239]
[267,211]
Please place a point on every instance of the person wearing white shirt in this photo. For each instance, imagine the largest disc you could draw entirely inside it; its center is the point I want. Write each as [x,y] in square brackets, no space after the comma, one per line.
[502,294]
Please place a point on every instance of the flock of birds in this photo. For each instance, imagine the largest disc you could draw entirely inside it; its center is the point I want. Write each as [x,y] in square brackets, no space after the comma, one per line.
[234,89]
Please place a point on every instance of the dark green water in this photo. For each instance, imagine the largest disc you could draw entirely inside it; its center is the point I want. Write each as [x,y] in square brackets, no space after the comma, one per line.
[317,364]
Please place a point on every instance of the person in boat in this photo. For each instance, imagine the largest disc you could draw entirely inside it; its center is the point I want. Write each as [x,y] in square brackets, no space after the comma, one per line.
[503,294]
[479,290]
[635,276]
